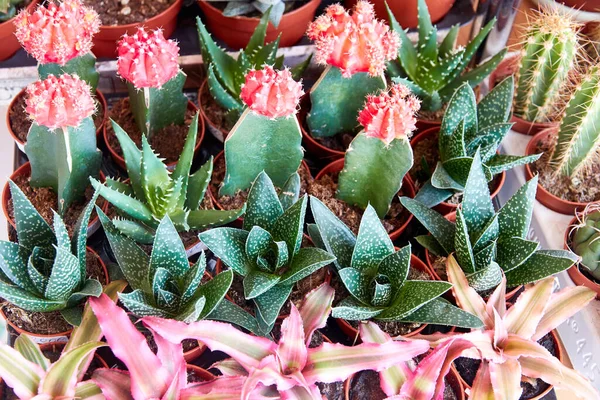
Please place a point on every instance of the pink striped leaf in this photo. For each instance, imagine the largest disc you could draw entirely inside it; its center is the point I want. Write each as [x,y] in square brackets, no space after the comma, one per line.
[482,385]
[21,375]
[115,384]
[315,309]
[506,380]
[230,367]
[497,300]
[524,316]
[291,351]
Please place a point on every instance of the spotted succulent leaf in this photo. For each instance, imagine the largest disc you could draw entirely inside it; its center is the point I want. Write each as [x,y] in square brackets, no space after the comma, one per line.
[440,312]
[541,264]
[138,232]
[352,309]
[263,204]
[289,226]
[32,229]
[411,296]
[168,251]
[290,191]
[477,202]
[229,245]
[486,278]
[515,216]
[269,303]
[197,185]
[127,204]
[495,107]
[462,243]
[439,227]
[305,262]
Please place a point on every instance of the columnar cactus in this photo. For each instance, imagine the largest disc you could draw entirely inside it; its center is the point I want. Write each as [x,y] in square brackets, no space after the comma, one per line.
[434,72]
[578,137]
[61,143]
[548,54]
[355,48]
[267,136]
[585,240]
[148,63]
[59,36]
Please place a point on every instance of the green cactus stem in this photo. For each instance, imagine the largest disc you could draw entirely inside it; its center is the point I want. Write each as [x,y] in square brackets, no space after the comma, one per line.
[83,66]
[586,241]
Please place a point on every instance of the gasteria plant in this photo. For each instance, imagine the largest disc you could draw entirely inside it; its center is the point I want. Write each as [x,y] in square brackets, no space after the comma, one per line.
[59,36]
[585,240]
[148,63]
[355,48]
[153,192]
[468,127]
[290,365]
[266,252]
[46,270]
[267,136]
[488,243]
[434,72]
[61,143]
[375,274]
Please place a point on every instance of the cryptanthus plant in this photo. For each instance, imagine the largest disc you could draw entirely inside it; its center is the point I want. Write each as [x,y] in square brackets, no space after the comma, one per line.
[376,275]
[267,136]
[434,72]
[61,143]
[45,270]
[468,127]
[288,367]
[153,192]
[380,155]
[486,243]
[585,239]
[267,252]
[59,36]
[355,47]
[148,63]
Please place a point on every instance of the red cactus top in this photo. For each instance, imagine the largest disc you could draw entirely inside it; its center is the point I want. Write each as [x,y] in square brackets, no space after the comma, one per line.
[59,32]
[271,93]
[147,59]
[354,43]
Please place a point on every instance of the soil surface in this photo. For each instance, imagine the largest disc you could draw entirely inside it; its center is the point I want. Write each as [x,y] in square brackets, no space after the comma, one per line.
[584,187]
[51,322]
[123,12]
[167,143]
[432,116]
[339,142]
[217,115]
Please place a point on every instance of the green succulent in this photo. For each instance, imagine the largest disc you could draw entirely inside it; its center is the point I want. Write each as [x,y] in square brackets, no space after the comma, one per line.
[586,242]
[267,252]
[274,9]
[46,270]
[8,9]
[154,192]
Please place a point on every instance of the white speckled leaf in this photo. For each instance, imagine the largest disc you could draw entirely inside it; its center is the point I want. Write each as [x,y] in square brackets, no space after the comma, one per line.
[26,300]
[228,244]
[515,251]
[441,312]
[259,242]
[168,251]
[515,216]
[431,244]
[32,229]
[484,257]
[495,107]
[80,232]
[373,243]
[305,262]
[91,288]
[477,203]
[290,191]
[464,251]
[487,234]
[441,179]
[439,227]
[258,282]
[541,264]
[13,262]
[396,266]
[214,291]
[269,303]
[411,296]
[263,206]
[461,107]
[487,278]
[64,277]
[357,283]
[141,305]
[289,226]
[351,309]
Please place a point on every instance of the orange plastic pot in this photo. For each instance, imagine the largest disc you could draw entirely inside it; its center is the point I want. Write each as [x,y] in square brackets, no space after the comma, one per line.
[405,11]
[200,372]
[236,31]
[213,128]
[574,272]
[10,44]
[584,5]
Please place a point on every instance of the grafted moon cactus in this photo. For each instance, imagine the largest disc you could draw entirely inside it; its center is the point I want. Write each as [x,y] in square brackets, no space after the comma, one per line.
[271,93]
[586,241]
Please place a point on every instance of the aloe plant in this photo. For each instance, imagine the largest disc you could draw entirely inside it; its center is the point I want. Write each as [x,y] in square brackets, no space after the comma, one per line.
[487,243]
[153,192]
[434,72]
[267,252]
[468,127]
[375,274]
[46,270]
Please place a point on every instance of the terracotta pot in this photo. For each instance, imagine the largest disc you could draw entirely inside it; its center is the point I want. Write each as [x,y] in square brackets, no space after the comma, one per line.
[200,372]
[120,161]
[405,11]
[584,5]
[444,207]
[21,145]
[60,336]
[407,186]
[544,196]
[236,31]
[212,127]
[313,146]
[25,170]
[509,66]
[10,44]
[578,277]
[105,41]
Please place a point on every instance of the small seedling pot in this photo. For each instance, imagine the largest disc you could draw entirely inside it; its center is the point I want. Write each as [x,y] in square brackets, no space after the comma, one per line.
[10,44]
[578,277]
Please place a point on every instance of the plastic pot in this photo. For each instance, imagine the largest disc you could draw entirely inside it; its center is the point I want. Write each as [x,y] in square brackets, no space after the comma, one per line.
[200,372]
[584,5]
[405,11]
[407,186]
[236,31]
[10,44]
[21,145]
[120,161]
[578,277]
[105,41]
[212,127]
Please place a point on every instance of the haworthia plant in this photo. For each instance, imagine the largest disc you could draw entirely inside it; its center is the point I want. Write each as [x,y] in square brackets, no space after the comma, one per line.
[267,252]
[586,241]
[46,270]
[469,127]
[489,243]
[434,72]
[376,275]
[154,192]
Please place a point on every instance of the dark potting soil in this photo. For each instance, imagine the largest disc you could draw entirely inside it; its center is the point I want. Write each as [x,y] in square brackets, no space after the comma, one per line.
[51,322]
[325,189]
[20,122]
[123,12]
[467,368]
[339,142]
[167,143]
[239,199]
[45,200]
[583,187]
[432,116]
[217,115]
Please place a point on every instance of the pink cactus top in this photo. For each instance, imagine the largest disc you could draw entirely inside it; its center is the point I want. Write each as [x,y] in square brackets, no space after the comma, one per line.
[271,93]
[353,43]
[59,32]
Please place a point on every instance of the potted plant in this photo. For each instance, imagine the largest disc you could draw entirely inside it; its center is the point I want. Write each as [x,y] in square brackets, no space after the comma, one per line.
[156,106]
[582,238]
[66,51]
[234,21]
[375,164]
[355,48]
[467,128]
[445,65]
[8,11]
[568,169]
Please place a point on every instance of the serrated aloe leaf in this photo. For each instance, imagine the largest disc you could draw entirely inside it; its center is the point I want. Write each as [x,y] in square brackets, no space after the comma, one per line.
[257,282]
[462,108]
[290,191]
[263,204]
[411,296]
[269,303]
[228,244]
[514,251]
[495,107]
[541,264]
[223,62]
[226,311]
[155,179]
[439,227]
[486,278]
[441,312]
[204,219]
[18,373]
[424,22]
[477,203]
[184,164]
[488,140]
[289,226]
[352,309]
[31,351]
[13,257]
[298,69]
[373,243]
[305,262]
[514,217]
[133,159]
[407,54]
[32,229]
[197,184]
[447,45]
[130,206]
[220,93]
[266,54]
[505,162]
[24,299]
[441,179]
[396,266]
[168,250]
[431,196]
[65,276]
[134,230]
[464,251]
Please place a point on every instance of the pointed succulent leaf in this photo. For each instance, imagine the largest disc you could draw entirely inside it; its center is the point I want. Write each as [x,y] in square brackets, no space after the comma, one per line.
[184,164]
[214,291]
[290,191]
[487,234]
[226,311]
[289,226]
[31,351]
[134,230]
[515,216]
[305,263]
[485,256]
[396,266]
[258,282]
[32,229]
[488,140]
[486,278]
[90,288]
[168,251]
[541,264]
[514,251]
[218,91]
[133,159]
[464,251]
[141,305]
[127,204]
[80,235]
[357,283]
[197,184]
[495,107]
[352,309]
[439,227]
[203,219]
[228,244]
[407,54]
[431,244]
[504,162]
[477,203]
[462,109]
[28,301]
[259,242]
[269,303]
[411,296]
[441,178]
[440,312]
[155,179]
[65,276]
[373,243]
[13,259]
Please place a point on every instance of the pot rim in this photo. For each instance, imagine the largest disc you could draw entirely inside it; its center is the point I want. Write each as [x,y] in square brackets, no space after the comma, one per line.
[325,152]
[243,18]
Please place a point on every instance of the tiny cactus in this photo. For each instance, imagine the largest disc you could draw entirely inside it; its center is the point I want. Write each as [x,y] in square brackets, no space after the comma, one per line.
[267,136]
[585,240]
[148,63]
[549,53]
